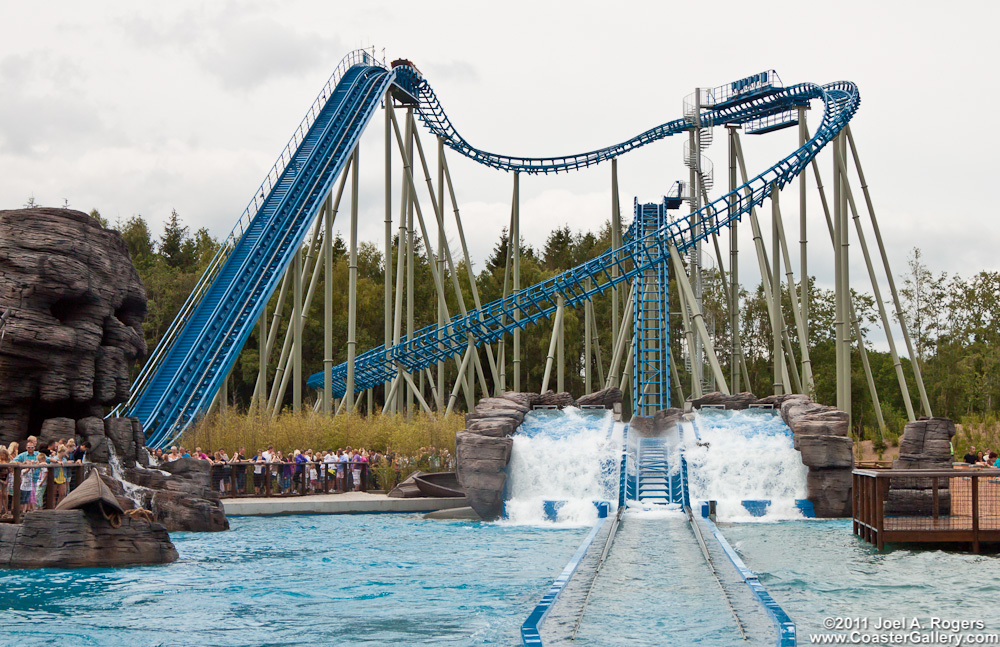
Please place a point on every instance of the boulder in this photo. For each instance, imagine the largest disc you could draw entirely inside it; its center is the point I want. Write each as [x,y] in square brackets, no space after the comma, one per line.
[825,451]
[83,539]
[55,429]
[667,418]
[122,439]
[606,398]
[925,445]
[552,399]
[927,439]
[737,401]
[76,307]
[180,495]
[806,417]
[516,417]
[655,425]
[139,438]
[497,427]
[524,399]
[487,404]
[480,463]
[92,430]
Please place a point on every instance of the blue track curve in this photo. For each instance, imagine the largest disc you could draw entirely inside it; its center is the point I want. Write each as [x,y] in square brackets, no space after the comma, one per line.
[486,325]
[181,378]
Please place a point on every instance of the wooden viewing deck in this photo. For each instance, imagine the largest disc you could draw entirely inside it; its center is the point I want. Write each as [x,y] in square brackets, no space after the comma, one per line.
[939,506]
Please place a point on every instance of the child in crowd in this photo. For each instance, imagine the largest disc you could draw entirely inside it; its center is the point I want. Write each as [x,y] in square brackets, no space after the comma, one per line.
[313,472]
[61,477]
[27,487]
[39,479]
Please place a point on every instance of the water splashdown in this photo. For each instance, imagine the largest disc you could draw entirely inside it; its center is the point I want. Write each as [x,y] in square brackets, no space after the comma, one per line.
[570,456]
[735,456]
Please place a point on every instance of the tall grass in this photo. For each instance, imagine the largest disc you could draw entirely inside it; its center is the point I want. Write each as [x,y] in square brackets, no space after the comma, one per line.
[308,430]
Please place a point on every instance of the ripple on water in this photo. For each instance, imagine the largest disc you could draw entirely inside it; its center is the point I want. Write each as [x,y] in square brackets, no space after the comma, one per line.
[816,569]
[318,580]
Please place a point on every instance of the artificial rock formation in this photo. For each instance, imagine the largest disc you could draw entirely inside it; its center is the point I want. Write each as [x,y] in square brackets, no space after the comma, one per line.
[737,401]
[180,495]
[82,539]
[926,444]
[74,308]
[820,433]
[483,448]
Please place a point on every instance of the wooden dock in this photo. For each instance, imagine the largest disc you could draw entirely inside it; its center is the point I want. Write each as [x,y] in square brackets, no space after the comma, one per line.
[927,506]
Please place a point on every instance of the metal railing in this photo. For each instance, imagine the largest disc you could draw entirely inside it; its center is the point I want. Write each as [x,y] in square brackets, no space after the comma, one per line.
[12,508]
[243,223]
[238,479]
[935,505]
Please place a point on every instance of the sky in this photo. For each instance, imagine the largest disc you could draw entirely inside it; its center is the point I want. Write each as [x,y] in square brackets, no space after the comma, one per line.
[142,108]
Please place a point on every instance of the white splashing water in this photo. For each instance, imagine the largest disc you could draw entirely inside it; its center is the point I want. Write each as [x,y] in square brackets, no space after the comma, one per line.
[568,455]
[139,495]
[744,455]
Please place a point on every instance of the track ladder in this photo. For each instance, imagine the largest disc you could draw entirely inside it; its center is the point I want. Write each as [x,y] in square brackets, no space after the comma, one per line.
[656,485]
[650,332]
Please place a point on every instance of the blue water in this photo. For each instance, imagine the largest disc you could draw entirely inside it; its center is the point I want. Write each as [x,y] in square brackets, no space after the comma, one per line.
[303,580]
[819,569]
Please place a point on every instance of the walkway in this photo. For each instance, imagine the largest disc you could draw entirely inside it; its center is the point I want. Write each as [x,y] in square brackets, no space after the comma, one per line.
[346,503]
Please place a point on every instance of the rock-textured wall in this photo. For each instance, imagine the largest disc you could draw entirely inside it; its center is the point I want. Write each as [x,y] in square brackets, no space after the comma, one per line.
[820,433]
[180,495]
[76,306]
[82,539]
[483,448]
[926,444]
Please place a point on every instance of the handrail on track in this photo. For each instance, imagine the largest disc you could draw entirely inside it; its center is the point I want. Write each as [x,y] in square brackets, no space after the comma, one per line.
[243,222]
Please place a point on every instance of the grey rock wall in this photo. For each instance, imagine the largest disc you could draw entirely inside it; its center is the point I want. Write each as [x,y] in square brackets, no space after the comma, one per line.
[76,308]
[925,444]
[82,539]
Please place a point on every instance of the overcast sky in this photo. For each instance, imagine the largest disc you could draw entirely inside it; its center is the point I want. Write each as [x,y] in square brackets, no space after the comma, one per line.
[140,108]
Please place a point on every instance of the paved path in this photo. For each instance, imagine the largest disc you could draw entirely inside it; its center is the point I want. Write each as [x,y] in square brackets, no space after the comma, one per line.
[346,503]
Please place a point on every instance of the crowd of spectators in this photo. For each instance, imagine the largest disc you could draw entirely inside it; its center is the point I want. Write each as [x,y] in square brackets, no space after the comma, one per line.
[239,473]
[48,464]
[985,458]
[307,471]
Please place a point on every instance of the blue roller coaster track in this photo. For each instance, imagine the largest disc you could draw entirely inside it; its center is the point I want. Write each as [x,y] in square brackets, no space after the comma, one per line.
[181,378]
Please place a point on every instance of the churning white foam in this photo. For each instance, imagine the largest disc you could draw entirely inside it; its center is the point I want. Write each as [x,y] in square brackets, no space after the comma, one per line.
[742,456]
[570,456]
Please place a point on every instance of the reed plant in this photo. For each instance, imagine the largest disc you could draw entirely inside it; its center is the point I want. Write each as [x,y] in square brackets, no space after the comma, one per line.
[308,430]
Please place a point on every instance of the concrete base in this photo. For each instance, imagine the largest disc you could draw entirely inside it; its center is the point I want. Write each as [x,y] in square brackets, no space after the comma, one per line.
[347,503]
